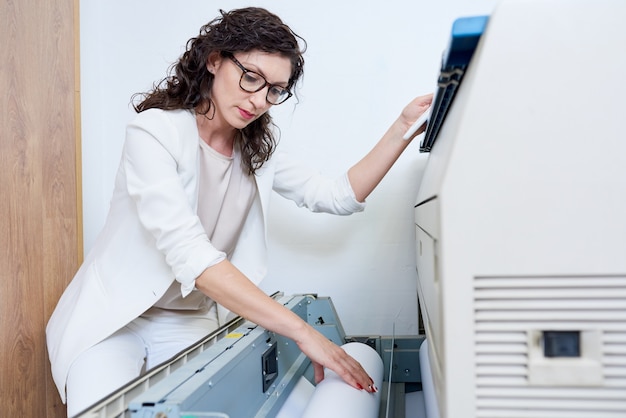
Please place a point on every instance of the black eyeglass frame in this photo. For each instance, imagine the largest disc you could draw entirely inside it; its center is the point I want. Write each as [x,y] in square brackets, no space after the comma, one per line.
[245,70]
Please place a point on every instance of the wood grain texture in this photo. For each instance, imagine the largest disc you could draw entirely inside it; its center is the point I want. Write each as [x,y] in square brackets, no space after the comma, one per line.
[39,226]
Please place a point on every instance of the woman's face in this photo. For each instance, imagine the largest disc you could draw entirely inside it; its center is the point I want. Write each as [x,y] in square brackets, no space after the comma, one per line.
[233,105]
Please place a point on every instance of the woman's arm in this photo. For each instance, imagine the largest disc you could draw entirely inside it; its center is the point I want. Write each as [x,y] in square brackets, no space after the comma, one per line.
[225,284]
[365,175]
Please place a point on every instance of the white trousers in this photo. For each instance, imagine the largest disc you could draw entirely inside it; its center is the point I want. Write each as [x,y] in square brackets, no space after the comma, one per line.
[142,344]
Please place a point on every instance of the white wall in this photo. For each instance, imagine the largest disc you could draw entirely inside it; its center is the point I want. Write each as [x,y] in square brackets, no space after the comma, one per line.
[373,57]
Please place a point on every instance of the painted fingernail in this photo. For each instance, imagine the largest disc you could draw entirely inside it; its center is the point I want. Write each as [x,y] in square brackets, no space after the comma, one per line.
[358,385]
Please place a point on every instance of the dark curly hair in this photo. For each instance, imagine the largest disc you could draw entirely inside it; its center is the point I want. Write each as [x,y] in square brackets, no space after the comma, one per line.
[188,84]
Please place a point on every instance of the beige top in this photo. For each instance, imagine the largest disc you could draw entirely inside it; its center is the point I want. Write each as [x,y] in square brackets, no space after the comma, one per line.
[225,196]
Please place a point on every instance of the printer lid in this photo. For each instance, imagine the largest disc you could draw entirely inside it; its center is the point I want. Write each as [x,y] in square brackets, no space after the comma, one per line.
[465,34]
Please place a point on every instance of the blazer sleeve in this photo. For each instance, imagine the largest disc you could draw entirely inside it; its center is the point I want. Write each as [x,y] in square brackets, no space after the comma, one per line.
[160,166]
[307,187]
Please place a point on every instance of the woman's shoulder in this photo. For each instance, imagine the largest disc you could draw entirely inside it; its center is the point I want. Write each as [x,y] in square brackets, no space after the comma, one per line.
[176,130]
[154,115]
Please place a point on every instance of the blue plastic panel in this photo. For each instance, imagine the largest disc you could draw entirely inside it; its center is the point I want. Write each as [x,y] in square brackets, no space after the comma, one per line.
[466,33]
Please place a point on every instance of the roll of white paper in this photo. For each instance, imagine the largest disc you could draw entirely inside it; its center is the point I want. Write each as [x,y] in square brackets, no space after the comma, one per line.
[335,398]
[297,400]
[428,386]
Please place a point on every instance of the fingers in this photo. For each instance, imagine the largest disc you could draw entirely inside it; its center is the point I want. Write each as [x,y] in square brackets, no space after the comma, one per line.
[423,102]
[366,383]
[347,368]
[356,376]
[415,109]
[426,99]
[325,353]
[318,370]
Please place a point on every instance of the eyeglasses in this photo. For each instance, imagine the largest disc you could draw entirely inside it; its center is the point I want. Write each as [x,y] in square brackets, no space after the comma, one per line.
[253,82]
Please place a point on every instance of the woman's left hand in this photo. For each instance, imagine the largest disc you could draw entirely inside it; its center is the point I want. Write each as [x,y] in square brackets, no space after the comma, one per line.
[414,110]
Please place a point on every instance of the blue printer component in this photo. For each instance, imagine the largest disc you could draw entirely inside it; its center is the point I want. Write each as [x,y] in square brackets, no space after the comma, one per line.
[248,373]
[466,33]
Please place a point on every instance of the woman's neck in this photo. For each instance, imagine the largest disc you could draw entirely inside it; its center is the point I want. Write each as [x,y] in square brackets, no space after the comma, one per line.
[219,136]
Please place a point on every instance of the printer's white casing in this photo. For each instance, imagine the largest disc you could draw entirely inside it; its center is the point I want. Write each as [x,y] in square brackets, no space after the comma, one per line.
[521,218]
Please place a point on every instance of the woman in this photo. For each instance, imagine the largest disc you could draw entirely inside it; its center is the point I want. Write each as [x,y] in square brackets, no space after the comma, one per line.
[186,227]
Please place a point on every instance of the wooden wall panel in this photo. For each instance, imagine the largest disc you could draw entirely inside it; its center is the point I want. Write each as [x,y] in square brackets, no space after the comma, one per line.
[39,192]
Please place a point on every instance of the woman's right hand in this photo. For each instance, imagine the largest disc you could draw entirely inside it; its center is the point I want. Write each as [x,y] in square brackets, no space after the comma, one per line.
[226,285]
[323,353]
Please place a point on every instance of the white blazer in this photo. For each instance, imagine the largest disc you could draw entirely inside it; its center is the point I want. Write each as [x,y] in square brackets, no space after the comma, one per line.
[152,235]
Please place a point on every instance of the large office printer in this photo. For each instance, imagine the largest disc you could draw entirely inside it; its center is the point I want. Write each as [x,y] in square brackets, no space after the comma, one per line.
[521,215]
[243,371]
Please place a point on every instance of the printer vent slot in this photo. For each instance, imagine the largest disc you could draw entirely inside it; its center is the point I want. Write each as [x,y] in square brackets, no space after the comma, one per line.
[508,309]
